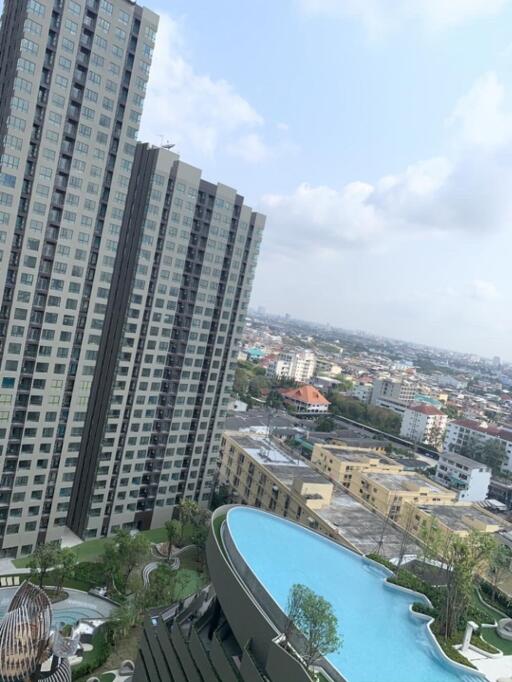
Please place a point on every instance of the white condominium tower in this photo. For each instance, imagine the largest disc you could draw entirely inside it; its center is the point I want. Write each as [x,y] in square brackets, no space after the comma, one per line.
[167,357]
[73,76]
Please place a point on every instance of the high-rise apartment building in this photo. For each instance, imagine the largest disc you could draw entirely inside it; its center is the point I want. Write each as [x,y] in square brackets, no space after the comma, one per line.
[81,281]
[167,357]
[73,77]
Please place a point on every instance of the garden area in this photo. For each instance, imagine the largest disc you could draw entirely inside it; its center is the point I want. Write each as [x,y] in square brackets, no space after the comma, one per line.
[175,565]
[459,593]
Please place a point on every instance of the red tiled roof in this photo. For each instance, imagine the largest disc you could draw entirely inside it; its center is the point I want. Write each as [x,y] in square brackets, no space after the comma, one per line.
[497,431]
[423,408]
[306,394]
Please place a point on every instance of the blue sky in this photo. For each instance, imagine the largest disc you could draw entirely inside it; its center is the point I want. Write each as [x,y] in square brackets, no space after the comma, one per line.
[377,137]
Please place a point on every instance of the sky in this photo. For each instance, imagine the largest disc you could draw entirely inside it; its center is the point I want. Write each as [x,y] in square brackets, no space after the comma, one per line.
[376,135]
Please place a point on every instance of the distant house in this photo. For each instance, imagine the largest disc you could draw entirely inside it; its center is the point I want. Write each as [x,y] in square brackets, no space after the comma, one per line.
[306,399]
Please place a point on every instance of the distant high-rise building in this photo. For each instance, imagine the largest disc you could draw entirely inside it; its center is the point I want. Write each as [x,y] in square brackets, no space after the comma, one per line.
[72,84]
[167,356]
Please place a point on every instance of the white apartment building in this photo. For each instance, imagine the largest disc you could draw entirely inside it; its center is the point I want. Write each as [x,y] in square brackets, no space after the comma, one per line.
[461,433]
[297,365]
[124,284]
[362,391]
[423,423]
[393,394]
[471,479]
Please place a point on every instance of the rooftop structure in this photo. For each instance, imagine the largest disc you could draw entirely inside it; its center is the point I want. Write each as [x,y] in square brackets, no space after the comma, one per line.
[272,478]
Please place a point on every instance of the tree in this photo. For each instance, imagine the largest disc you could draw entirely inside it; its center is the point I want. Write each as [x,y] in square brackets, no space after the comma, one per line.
[121,556]
[313,616]
[463,557]
[324,424]
[173,530]
[493,454]
[187,511]
[44,558]
[499,565]
[66,563]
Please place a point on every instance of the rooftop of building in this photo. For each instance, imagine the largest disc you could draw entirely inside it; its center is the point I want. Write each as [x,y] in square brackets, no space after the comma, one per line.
[346,454]
[428,410]
[463,460]
[306,394]
[355,522]
[404,482]
[457,517]
[483,427]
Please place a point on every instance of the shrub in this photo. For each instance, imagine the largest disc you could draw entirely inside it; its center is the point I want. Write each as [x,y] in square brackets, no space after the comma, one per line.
[97,656]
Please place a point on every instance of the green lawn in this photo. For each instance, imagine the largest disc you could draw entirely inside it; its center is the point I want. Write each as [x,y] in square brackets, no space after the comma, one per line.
[484,606]
[491,636]
[193,581]
[92,550]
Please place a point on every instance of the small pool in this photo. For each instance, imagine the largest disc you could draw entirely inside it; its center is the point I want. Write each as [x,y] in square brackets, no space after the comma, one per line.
[382,640]
[78,606]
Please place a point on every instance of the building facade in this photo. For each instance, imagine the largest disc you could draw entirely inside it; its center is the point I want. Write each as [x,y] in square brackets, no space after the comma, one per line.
[469,478]
[465,436]
[124,280]
[393,394]
[73,79]
[167,360]
[422,423]
[299,366]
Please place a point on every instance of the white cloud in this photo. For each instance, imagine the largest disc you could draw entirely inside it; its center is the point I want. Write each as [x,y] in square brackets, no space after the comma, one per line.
[194,110]
[479,117]
[466,190]
[483,290]
[381,16]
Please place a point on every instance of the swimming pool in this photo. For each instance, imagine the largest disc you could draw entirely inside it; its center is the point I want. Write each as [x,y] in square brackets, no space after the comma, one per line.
[382,640]
[78,606]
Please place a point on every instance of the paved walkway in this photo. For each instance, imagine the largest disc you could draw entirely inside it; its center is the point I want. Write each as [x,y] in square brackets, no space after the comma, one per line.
[8,568]
[492,668]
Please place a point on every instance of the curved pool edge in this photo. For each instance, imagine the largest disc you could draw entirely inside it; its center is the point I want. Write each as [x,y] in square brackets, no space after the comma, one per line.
[423,616]
[364,559]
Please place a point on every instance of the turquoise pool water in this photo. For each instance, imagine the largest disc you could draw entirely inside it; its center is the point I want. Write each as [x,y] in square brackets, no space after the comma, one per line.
[382,640]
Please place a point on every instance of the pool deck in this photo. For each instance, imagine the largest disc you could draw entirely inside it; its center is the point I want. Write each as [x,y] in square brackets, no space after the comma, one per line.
[493,668]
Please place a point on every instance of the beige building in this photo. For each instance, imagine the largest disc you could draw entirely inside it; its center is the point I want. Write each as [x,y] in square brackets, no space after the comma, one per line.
[339,462]
[388,492]
[262,474]
[461,518]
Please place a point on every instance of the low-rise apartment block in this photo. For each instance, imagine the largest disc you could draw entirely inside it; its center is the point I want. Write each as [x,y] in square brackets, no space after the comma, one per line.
[462,435]
[339,462]
[471,479]
[422,423]
[362,391]
[263,474]
[389,492]
[393,394]
[460,519]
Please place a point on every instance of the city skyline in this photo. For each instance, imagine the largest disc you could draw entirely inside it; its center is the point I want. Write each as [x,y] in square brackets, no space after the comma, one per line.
[376,142]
